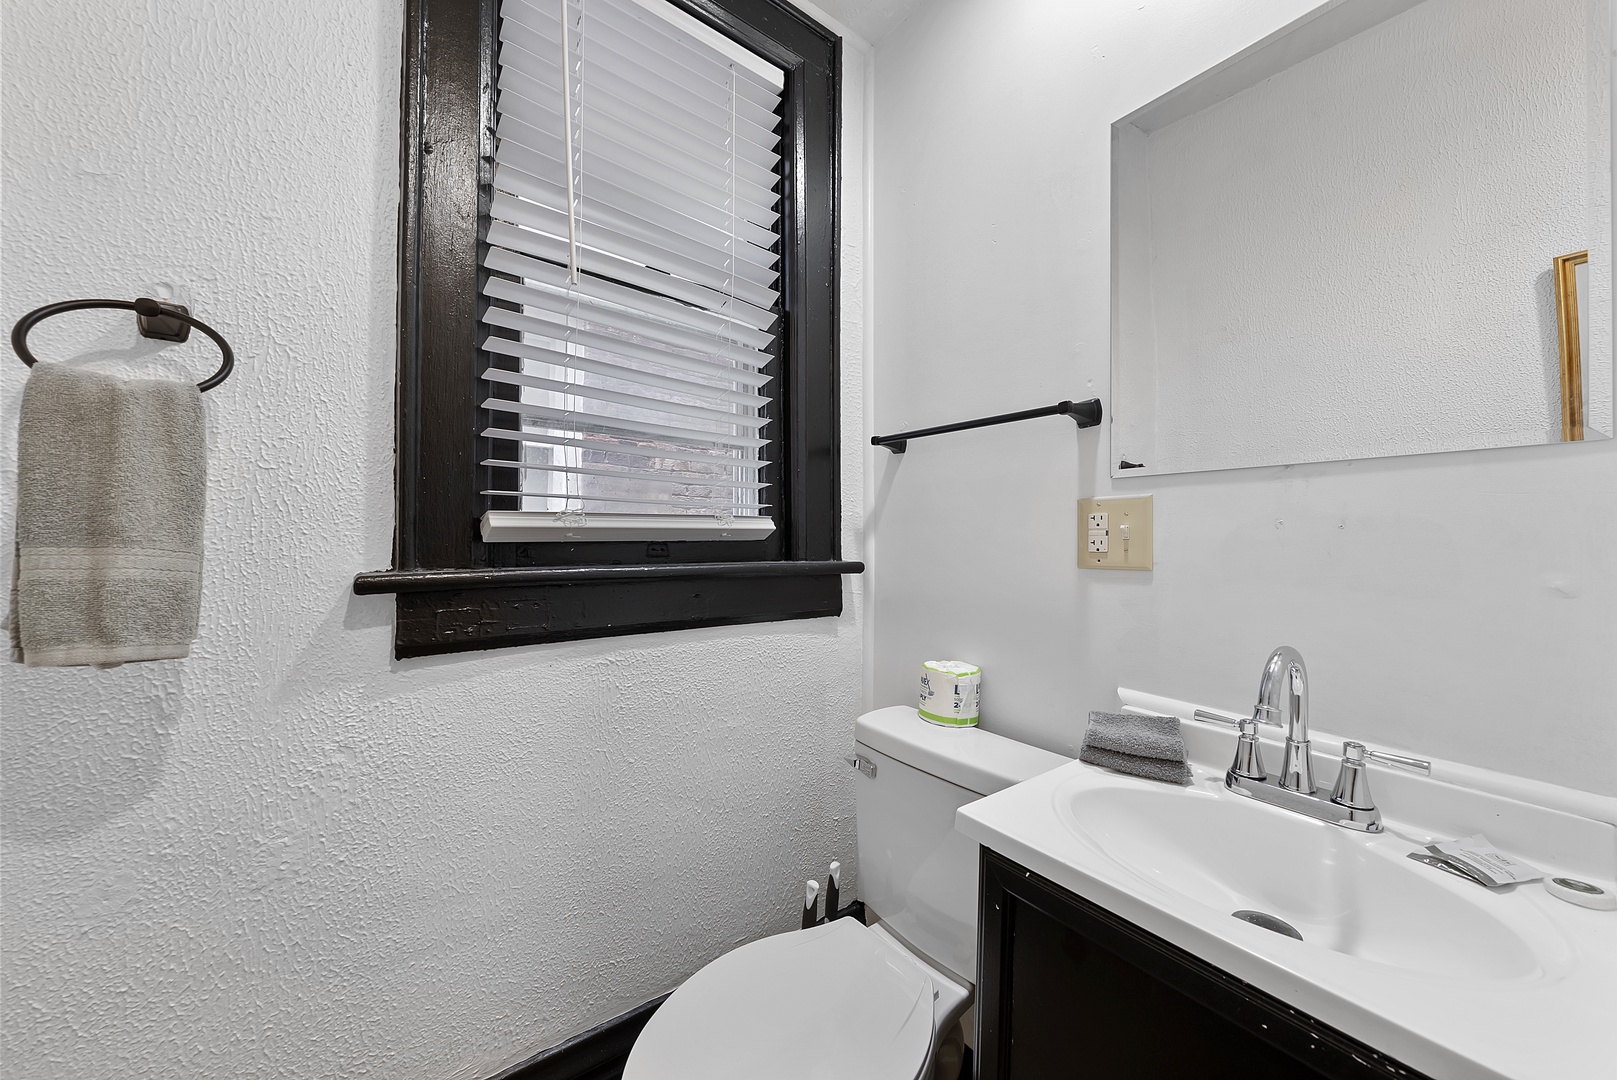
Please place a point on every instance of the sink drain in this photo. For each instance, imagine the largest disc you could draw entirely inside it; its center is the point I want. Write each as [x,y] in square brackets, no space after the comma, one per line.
[1268,922]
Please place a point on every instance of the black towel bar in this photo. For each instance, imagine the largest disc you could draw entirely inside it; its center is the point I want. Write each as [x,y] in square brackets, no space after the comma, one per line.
[165,322]
[1087,413]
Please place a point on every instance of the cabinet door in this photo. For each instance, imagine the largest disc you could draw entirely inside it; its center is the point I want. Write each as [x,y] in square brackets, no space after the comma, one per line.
[1068,989]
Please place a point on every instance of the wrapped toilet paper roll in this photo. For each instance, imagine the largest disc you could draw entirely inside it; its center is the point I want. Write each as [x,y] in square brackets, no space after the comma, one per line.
[951,691]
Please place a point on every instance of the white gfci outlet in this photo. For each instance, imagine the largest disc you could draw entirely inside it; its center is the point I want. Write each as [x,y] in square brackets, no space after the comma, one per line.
[1116,533]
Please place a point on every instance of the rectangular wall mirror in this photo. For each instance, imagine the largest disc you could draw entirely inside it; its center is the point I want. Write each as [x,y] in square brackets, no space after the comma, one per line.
[1383,230]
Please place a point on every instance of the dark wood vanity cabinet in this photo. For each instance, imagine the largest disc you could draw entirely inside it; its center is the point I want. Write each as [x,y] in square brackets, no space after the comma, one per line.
[1068,989]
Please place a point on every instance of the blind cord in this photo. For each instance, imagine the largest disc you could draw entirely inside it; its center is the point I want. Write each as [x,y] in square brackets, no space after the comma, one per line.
[734,242]
[575,457]
[567,145]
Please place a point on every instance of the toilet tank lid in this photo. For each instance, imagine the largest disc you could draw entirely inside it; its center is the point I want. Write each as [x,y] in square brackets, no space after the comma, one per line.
[967,757]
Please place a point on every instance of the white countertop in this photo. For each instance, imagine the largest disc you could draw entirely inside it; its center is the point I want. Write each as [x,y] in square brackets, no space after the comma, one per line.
[1556,1018]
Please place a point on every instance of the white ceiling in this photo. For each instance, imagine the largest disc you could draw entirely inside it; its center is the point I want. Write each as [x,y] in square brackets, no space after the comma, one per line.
[870,19]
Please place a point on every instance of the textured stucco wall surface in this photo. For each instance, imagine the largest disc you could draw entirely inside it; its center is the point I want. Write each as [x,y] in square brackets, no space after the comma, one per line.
[288,856]
[1462,604]
[1352,258]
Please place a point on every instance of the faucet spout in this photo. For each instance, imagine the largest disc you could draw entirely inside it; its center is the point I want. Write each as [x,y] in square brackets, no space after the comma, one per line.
[1283,702]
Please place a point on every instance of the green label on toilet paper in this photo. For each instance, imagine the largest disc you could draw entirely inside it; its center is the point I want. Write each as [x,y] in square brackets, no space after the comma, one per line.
[952,721]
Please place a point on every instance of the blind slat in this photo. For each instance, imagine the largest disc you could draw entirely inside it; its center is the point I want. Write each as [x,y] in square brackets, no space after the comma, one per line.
[692,479]
[666,39]
[609,47]
[707,160]
[641,197]
[617,446]
[719,326]
[539,65]
[614,318]
[624,109]
[692,262]
[525,323]
[723,279]
[611,158]
[573,420]
[530,350]
[538,78]
[521,171]
[751,262]
[606,368]
[607,266]
[597,42]
[680,505]
[618,397]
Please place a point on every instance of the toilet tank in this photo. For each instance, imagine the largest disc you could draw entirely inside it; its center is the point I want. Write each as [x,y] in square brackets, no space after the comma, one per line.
[916,873]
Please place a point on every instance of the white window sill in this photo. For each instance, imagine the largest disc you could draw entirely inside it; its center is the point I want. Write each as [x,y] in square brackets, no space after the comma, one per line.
[529,526]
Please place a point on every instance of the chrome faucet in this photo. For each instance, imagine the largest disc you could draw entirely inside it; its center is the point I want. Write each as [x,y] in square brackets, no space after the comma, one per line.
[1283,703]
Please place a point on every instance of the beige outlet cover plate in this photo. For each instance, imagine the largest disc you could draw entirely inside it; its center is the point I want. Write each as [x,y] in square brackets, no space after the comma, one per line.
[1122,553]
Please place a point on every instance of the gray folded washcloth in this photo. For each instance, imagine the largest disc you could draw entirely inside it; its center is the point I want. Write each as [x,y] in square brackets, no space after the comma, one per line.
[1142,736]
[1147,746]
[111,477]
[1169,772]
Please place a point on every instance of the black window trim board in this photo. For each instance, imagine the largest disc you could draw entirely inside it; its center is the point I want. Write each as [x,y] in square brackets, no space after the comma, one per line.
[456,593]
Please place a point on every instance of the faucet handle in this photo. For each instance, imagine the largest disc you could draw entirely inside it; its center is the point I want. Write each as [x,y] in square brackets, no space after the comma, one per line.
[1248,762]
[1229,719]
[1413,764]
[1352,781]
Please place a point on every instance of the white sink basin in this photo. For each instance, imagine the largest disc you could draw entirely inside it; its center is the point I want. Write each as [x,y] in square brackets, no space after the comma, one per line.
[1440,973]
[1339,892]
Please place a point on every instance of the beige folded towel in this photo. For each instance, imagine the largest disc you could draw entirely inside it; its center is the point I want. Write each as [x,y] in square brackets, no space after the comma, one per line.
[111,477]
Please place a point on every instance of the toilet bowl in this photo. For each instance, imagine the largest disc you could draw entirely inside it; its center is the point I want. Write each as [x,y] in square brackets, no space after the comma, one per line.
[844,1000]
[837,1000]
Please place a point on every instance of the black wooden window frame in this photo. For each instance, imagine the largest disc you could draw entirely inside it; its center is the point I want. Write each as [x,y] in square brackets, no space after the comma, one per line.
[455,592]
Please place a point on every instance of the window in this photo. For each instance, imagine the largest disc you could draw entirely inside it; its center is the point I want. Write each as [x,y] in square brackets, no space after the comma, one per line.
[634,245]
[618,321]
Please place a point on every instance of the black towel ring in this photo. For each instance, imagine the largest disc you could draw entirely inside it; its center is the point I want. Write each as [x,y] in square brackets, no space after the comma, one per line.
[165,322]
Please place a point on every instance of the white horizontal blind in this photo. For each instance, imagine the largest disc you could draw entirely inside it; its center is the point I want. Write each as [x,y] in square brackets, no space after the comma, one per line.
[634,289]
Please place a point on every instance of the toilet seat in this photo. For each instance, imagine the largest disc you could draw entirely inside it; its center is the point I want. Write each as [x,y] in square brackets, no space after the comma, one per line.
[834,1002]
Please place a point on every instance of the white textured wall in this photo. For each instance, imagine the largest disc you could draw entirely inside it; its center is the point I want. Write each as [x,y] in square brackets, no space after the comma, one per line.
[287,855]
[1352,258]
[1461,604]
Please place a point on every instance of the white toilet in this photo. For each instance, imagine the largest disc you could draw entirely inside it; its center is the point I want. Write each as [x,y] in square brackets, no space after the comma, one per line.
[843,1000]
